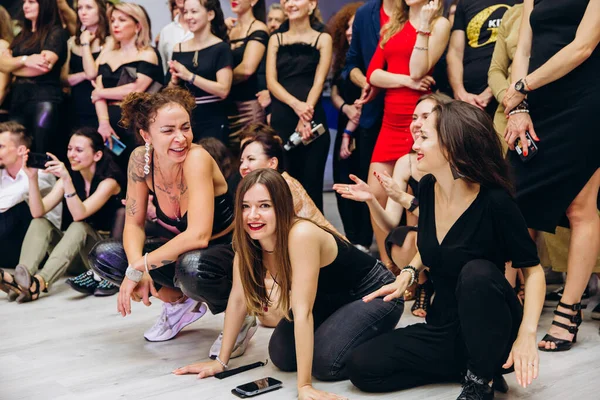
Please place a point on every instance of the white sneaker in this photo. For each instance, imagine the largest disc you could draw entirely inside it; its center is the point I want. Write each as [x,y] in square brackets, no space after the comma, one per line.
[248,330]
[173,319]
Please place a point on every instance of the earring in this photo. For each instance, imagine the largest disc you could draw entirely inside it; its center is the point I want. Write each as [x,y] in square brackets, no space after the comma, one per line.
[147,159]
[455,174]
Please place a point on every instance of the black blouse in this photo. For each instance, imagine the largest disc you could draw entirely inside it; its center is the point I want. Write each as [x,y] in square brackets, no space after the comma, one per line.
[110,78]
[209,61]
[492,228]
[46,87]
[247,89]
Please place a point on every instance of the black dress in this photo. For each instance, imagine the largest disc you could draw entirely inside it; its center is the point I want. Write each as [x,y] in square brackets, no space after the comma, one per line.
[296,68]
[110,79]
[83,112]
[36,101]
[209,118]
[565,117]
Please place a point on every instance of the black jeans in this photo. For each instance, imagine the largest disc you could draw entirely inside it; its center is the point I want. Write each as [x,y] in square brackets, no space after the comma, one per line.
[354,214]
[342,322]
[14,223]
[489,316]
[307,164]
[42,121]
[204,275]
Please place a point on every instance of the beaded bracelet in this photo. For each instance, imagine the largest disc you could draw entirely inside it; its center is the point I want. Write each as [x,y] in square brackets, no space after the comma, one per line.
[426,33]
[348,132]
[222,363]
[412,271]
[513,112]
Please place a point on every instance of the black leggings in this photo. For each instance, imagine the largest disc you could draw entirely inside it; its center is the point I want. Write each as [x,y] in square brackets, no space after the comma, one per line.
[489,316]
[14,223]
[42,122]
[204,275]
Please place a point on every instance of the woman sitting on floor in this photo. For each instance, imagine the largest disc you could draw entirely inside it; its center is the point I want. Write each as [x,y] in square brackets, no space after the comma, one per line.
[193,264]
[89,191]
[469,226]
[323,279]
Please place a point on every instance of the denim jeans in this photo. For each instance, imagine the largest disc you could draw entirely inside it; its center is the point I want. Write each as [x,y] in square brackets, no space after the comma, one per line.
[341,322]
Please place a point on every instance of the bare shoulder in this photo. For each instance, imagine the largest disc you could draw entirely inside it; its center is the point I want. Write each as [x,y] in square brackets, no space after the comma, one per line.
[402,168]
[305,232]
[441,23]
[324,41]
[259,26]
[198,158]
[135,168]
[149,55]
[4,44]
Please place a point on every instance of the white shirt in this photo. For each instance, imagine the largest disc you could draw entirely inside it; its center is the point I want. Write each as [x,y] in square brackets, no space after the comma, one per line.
[170,35]
[14,191]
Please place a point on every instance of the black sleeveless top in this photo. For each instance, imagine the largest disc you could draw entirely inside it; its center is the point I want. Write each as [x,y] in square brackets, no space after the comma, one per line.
[296,69]
[223,211]
[110,78]
[101,220]
[81,93]
[346,272]
[247,90]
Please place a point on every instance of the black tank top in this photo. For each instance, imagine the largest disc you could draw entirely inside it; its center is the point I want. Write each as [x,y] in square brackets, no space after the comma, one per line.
[346,272]
[223,212]
[247,90]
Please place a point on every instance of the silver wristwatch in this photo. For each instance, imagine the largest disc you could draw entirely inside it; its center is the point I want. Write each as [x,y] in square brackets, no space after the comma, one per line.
[133,274]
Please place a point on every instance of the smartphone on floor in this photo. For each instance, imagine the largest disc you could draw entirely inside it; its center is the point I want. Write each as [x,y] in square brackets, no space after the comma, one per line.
[257,387]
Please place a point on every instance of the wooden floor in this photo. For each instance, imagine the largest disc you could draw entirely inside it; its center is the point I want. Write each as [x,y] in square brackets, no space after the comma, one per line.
[68,347]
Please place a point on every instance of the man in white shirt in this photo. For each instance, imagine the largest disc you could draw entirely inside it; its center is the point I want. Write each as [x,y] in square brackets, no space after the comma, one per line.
[14,192]
[175,32]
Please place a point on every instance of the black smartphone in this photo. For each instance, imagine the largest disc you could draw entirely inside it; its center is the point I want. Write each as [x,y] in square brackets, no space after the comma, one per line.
[257,387]
[38,160]
[532,148]
[118,146]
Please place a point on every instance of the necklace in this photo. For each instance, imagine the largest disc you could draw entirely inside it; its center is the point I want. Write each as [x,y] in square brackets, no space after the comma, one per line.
[266,307]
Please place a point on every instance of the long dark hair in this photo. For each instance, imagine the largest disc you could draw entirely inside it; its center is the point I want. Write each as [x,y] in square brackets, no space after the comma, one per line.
[102,29]
[472,147]
[249,251]
[217,25]
[259,10]
[106,167]
[47,19]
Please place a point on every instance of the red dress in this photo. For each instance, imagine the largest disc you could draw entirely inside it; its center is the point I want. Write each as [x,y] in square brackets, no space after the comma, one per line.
[395,139]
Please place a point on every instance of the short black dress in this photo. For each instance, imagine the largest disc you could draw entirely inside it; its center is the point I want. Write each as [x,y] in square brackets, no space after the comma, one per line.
[209,118]
[296,68]
[566,118]
[83,111]
[110,79]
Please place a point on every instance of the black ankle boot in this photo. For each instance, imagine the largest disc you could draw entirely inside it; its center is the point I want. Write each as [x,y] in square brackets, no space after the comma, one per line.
[475,388]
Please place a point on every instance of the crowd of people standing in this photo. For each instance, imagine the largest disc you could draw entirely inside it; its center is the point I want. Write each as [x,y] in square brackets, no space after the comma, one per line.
[187,171]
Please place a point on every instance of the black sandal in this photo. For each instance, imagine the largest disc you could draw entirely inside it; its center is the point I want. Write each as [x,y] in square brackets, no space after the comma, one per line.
[25,281]
[422,298]
[9,287]
[563,344]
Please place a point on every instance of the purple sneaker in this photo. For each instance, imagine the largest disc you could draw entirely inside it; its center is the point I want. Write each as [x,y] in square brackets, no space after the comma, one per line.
[173,319]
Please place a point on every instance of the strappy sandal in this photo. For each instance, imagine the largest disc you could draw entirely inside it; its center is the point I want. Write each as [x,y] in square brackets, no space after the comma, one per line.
[25,281]
[520,292]
[563,344]
[422,298]
[10,288]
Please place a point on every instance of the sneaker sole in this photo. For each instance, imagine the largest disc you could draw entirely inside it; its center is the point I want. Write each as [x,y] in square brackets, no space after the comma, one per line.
[22,277]
[102,293]
[181,324]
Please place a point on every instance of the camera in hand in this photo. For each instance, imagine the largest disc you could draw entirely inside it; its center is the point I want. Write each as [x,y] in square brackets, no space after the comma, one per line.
[38,160]
[296,138]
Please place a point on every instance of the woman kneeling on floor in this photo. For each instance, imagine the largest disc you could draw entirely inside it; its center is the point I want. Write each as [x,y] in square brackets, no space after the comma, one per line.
[469,226]
[322,278]
[193,263]
[89,190]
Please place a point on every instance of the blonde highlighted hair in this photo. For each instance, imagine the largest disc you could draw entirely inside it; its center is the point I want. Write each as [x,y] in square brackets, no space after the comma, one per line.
[136,13]
[399,18]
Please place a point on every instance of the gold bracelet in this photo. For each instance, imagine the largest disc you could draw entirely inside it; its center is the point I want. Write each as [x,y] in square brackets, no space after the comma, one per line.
[104,118]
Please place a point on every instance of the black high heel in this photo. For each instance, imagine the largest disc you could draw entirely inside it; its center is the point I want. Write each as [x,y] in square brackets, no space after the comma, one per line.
[563,344]
[422,298]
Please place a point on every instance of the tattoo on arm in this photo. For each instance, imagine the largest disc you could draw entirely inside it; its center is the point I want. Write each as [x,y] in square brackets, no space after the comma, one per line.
[135,169]
[163,263]
[131,207]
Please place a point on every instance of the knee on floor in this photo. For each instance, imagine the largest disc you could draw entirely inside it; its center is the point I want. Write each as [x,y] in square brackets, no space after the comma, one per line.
[362,371]
[476,274]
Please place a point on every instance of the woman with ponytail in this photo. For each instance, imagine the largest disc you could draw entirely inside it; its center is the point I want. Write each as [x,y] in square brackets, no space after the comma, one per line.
[203,65]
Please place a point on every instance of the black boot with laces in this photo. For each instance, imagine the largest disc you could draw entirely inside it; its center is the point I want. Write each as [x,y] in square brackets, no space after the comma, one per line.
[475,388]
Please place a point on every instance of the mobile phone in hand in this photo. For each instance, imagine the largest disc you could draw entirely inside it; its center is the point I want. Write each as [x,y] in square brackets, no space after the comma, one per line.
[118,146]
[257,387]
[532,148]
[38,160]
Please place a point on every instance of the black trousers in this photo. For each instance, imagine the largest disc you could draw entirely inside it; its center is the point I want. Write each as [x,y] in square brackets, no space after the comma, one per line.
[14,223]
[42,120]
[489,316]
[354,214]
[307,164]
[204,275]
